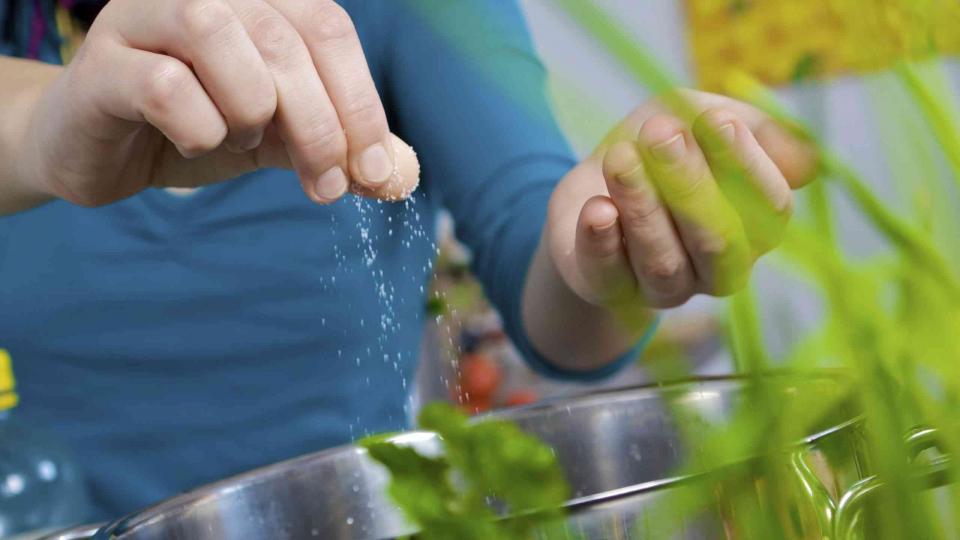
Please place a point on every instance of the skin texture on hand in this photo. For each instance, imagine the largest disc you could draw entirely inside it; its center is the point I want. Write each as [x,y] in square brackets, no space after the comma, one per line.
[22,86]
[663,210]
[200,91]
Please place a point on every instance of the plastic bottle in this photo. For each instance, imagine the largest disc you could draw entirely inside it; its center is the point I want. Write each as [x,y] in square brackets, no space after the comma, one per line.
[40,485]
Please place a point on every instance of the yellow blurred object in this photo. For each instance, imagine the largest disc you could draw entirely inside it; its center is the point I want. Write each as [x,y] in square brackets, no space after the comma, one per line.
[781,41]
[71,34]
[8,397]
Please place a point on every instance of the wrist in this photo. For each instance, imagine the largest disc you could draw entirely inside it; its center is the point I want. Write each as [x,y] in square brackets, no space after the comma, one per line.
[21,163]
[575,335]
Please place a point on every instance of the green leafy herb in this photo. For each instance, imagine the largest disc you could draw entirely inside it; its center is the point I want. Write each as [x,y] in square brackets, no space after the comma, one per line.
[485,463]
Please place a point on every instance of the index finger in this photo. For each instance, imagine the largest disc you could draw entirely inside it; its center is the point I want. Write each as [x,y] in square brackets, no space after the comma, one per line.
[338,56]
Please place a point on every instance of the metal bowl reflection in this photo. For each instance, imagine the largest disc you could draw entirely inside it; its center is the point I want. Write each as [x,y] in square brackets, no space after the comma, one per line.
[620,450]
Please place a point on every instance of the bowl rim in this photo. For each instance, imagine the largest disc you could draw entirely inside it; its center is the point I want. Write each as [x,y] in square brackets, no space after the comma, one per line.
[169,507]
[580,503]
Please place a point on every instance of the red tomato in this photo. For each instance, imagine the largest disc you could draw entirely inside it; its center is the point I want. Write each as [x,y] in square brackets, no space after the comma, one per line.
[521,397]
[480,376]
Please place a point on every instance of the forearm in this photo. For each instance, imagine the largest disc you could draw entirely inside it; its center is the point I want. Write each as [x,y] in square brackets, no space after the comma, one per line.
[571,333]
[24,83]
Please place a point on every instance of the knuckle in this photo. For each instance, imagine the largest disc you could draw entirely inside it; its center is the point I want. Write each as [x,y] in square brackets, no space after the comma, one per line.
[687,184]
[756,166]
[276,39]
[202,18]
[166,79]
[363,110]
[323,134]
[663,271]
[712,245]
[746,173]
[668,284]
[86,69]
[642,212]
[257,115]
[752,166]
[324,140]
[329,22]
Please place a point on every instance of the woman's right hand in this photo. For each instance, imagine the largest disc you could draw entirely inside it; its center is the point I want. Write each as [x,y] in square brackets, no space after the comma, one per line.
[182,93]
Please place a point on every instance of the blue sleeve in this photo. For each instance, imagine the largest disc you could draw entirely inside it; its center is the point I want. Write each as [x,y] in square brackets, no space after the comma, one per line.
[468,92]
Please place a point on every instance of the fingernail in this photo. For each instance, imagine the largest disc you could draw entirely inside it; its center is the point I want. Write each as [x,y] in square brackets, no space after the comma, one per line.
[376,167]
[727,133]
[670,151]
[600,229]
[332,184]
[719,141]
[633,177]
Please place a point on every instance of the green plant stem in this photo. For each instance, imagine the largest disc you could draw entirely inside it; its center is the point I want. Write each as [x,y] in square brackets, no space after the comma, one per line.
[898,231]
[644,68]
[941,117]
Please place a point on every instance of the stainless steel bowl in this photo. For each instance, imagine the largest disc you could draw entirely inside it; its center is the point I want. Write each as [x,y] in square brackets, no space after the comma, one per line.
[620,450]
[82,532]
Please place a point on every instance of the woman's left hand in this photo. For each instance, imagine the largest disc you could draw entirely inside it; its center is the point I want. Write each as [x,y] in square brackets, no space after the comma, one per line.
[667,209]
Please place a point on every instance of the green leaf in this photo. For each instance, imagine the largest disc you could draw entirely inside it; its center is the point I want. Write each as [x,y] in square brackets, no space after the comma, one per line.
[449,496]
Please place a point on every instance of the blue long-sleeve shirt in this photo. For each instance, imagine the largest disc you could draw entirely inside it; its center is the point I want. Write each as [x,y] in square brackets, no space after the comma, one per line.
[172,341]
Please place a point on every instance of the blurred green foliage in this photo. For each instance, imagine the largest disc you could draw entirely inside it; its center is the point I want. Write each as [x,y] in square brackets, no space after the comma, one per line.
[890,324]
[449,495]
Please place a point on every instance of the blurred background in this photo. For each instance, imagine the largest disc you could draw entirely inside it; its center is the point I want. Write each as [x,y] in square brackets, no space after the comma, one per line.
[813,53]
